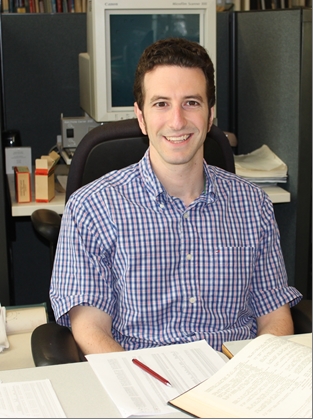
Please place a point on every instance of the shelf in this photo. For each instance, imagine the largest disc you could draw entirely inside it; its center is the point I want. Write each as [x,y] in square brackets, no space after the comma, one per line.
[276,194]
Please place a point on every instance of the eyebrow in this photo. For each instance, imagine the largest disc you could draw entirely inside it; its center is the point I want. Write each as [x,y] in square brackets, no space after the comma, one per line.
[196,97]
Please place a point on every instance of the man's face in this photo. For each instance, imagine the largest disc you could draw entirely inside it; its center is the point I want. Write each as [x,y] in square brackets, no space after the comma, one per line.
[175,114]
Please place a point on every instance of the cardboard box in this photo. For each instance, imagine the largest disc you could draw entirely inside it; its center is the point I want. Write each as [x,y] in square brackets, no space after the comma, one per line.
[44,177]
[22,184]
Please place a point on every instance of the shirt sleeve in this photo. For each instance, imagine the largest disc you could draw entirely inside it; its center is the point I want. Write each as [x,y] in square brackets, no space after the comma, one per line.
[82,267]
[270,289]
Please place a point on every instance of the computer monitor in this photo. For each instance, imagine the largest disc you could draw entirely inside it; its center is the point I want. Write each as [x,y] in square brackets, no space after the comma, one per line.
[117,33]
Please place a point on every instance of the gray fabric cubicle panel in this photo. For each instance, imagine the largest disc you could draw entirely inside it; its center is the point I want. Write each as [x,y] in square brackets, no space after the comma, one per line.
[274,107]
[40,54]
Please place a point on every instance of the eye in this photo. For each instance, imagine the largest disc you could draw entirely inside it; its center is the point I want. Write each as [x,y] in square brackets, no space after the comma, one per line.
[160,104]
[192,103]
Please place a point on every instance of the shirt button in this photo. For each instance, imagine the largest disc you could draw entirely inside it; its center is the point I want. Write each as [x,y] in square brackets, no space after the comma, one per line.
[186,215]
[189,257]
[192,300]
[162,206]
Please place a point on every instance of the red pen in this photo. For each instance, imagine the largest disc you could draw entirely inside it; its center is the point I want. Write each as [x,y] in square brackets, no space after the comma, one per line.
[151,372]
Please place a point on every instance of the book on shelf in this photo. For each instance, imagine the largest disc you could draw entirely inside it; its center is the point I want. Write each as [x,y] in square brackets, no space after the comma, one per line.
[271,377]
[278,4]
[44,6]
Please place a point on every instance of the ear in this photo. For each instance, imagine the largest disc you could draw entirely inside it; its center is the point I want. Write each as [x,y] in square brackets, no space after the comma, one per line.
[140,118]
[211,118]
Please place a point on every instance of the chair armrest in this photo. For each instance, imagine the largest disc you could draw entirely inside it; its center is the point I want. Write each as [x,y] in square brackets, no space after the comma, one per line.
[47,223]
[302,316]
[53,344]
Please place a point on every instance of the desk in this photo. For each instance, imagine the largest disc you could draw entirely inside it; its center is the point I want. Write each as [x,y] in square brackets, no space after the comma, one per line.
[19,354]
[78,389]
[276,194]
[81,393]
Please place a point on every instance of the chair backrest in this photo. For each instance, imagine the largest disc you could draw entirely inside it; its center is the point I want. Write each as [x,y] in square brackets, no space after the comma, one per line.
[115,145]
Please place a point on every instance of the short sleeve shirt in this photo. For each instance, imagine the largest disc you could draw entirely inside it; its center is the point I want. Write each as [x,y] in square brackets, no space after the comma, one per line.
[167,273]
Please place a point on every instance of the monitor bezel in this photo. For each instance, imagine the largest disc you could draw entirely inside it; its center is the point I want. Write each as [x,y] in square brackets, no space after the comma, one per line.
[98,45]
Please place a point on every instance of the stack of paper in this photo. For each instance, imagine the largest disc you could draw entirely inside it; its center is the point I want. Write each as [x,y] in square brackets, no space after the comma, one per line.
[137,393]
[261,166]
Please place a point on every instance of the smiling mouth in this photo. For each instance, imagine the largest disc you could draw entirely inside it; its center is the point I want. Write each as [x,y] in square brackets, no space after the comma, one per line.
[179,139]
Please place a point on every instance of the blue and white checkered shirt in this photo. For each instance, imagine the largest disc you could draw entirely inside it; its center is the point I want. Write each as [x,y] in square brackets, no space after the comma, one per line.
[166,273]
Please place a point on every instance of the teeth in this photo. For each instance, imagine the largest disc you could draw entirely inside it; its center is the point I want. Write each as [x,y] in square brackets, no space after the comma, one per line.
[178,139]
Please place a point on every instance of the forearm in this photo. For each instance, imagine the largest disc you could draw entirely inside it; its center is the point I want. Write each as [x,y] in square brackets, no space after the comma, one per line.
[92,340]
[91,329]
[278,322]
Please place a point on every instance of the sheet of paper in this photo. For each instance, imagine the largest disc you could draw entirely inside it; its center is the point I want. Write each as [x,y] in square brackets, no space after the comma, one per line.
[135,392]
[29,399]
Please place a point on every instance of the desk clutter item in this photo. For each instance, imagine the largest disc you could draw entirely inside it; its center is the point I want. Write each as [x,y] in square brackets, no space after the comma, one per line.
[20,319]
[261,166]
[30,399]
[44,177]
[17,156]
[4,343]
[22,184]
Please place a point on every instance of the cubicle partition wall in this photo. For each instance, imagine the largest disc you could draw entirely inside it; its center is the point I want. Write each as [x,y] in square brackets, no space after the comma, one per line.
[5,272]
[6,286]
[274,107]
[40,54]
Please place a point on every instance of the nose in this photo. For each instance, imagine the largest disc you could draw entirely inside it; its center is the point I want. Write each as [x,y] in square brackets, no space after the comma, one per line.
[177,118]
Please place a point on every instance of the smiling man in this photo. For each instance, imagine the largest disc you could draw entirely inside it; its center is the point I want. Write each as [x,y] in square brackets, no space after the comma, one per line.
[170,250]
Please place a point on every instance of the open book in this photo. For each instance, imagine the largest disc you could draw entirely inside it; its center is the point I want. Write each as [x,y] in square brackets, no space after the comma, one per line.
[271,377]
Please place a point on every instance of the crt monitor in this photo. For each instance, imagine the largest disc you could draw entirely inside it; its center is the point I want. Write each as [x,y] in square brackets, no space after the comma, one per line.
[117,33]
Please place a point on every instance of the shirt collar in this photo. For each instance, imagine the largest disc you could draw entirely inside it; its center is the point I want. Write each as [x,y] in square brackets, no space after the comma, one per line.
[154,186]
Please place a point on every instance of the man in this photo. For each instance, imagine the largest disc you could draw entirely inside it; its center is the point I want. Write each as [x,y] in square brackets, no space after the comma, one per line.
[170,250]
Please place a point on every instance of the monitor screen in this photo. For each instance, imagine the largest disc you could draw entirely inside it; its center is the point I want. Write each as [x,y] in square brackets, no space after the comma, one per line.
[117,34]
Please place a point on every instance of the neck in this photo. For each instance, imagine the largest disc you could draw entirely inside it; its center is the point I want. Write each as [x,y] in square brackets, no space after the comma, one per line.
[182,181]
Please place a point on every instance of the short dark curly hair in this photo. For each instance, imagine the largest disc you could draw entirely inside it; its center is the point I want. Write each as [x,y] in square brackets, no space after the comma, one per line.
[177,52]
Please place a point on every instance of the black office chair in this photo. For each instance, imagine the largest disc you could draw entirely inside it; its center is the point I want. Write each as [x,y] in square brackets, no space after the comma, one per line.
[107,147]
[113,146]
